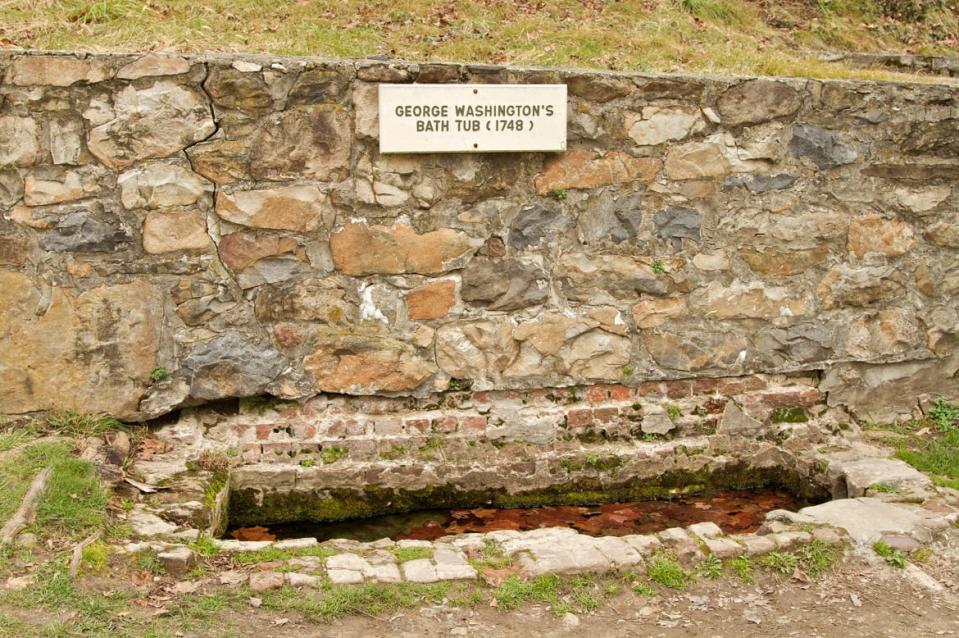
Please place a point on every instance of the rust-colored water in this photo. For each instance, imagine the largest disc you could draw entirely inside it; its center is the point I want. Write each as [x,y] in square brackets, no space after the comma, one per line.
[734,511]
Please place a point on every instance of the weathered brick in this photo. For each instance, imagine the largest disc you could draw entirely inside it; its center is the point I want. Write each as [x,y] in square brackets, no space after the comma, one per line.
[416,425]
[276,449]
[597,393]
[388,426]
[620,393]
[650,390]
[605,414]
[444,424]
[251,452]
[579,418]
[784,398]
[303,432]
[346,427]
[679,389]
[473,424]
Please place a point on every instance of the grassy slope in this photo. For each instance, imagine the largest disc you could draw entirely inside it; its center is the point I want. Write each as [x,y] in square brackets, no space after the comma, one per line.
[717,36]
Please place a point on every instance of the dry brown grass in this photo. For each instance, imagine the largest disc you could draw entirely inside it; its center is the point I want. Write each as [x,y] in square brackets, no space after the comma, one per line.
[711,36]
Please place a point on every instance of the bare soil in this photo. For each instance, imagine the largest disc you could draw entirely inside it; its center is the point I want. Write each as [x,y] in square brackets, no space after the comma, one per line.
[857,598]
[854,601]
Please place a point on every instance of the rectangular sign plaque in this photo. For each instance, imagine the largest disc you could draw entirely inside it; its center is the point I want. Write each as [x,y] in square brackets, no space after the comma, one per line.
[472,118]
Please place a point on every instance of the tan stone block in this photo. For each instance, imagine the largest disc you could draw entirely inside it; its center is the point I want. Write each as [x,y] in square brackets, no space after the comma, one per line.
[91,352]
[297,208]
[153,64]
[663,124]
[890,331]
[655,311]
[943,234]
[432,301]
[875,234]
[54,185]
[782,262]
[755,101]
[580,168]
[359,249]
[57,70]
[303,143]
[365,365]
[696,160]
[366,110]
[750,301]
[479,349]
[161,185]
[154,121]
[242,249]
[172,231]
[18,141]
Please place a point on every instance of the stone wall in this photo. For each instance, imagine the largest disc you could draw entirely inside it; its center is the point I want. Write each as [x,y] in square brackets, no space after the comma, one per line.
[178,230]
[904,62]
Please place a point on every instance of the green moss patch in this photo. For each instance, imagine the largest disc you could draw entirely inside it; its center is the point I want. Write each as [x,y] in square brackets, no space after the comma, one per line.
[265,506]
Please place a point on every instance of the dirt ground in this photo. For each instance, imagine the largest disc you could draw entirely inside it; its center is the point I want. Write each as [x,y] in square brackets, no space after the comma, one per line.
[854,601]
[856,598]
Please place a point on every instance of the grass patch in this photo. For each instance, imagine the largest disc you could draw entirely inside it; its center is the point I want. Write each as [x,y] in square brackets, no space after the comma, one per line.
[813,559]
[882,488]
[95,556]
[936,455]
[332,454]
[395,452]
[212,461]
[492,557]
[83,424]
[663,569]
[370,599]
[15,438]
[742,566]
[893,557]
[713,36]
[268,554]
[54,590]
[147,559]
[515,591]
[581,593]
[710,567]
[204,546]
[789,415]
[404,554]
[73,503]
[782,562]
[817,557]
[945,415]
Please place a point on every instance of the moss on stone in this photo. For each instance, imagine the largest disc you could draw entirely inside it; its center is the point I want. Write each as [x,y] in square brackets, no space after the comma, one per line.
[789,415]
[336,504]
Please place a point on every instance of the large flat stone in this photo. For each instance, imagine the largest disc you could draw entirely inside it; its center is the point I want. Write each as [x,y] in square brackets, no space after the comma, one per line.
[91,351]
[359,249]
[557,550]
[153,121]
[863,473]
[867,519]
[619,552]
[297,208]
[420,570]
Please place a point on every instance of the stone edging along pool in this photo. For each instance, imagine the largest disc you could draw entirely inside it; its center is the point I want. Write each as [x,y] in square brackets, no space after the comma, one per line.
[874,498]
[554,550]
